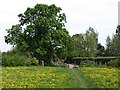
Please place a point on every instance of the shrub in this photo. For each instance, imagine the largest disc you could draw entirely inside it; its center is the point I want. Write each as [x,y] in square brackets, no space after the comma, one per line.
[87,63]
[114,63]
[17,59]
[34,61]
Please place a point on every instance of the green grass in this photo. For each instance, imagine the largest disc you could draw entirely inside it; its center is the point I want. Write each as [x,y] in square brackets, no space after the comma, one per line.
[58,77]
[101,77]
[41,77]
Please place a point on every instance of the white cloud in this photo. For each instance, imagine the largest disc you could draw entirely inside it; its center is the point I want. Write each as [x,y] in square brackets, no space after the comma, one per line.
[81,14]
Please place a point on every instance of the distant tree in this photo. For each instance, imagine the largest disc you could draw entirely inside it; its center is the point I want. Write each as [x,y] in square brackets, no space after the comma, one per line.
[91,42]
[86,44]
[100,50]
[79,49]
[118,30]
[113,44]
[116,41]
[116,45]
[41,32]
[108,51]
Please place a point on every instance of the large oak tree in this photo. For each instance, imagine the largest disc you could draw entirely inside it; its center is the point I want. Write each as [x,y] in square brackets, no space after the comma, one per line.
[41,32]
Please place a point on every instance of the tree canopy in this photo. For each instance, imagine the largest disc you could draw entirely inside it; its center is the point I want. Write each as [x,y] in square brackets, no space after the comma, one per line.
[86,44]
[41,32]
[113,44]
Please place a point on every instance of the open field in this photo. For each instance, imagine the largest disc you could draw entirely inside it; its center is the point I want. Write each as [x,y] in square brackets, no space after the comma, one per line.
[38,77]
[102,77]
[58,77]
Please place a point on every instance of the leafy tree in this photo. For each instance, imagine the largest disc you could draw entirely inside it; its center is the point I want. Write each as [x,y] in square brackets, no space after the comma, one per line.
[118,30]
[116,41]
[100,50]
[91,42]
[86,44]
[108,46]
[41,32]
[113,44]
[79,43]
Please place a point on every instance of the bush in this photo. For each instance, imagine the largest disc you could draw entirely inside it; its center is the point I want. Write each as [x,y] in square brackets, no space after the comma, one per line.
[17,59]
[114,63]
[34,62]
[87,63]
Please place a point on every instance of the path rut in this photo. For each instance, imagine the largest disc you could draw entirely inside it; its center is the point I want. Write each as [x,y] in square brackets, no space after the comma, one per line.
[79,78]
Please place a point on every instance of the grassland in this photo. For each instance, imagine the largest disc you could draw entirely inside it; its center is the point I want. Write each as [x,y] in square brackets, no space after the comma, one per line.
[39,77]
[59,77]
[102,77]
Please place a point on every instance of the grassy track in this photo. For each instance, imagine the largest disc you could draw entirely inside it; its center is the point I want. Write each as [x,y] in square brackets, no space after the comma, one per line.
[79,79]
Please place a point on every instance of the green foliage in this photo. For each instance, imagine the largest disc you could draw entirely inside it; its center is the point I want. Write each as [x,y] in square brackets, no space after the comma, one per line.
[87,63]
[108,51]
[17,59]
[91,42]
[100,50]
[93,60]
[40,31]
[113,44]
[114,63]
[86,44]
[79,45]
[118,30]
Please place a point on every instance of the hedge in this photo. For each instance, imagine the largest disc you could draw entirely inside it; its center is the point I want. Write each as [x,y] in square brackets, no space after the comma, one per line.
[98,60]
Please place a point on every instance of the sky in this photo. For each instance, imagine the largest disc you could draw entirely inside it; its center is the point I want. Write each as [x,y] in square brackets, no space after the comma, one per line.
[102,15]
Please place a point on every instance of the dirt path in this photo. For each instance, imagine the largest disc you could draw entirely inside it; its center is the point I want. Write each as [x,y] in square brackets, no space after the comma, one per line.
[79,79]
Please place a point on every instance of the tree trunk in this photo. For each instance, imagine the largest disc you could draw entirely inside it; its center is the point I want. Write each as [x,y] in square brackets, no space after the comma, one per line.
[39,62]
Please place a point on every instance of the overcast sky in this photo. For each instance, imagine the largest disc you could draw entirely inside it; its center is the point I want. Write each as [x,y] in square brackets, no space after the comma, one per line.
[102,15]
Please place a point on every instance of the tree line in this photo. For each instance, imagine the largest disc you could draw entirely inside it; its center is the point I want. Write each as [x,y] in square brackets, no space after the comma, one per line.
[41,33]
